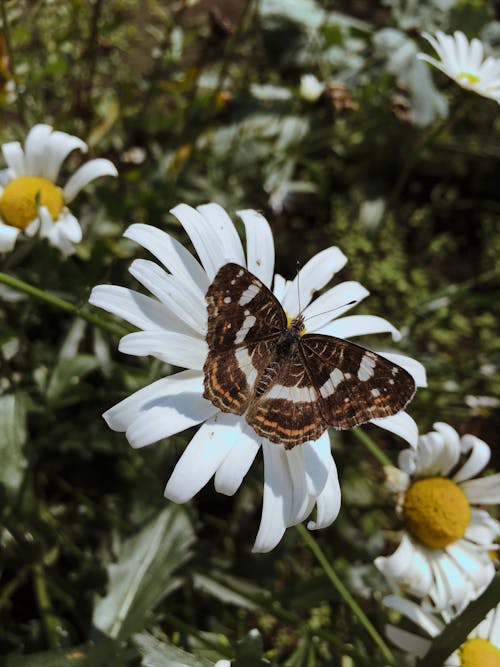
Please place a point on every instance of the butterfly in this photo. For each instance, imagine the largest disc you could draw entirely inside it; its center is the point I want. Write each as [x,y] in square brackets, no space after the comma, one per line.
[290,385]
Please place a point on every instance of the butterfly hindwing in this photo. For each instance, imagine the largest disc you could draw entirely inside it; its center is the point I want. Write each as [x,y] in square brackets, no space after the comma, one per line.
[354,385]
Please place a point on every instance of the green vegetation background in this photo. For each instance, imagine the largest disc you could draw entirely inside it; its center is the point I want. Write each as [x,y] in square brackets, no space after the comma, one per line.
[196,102]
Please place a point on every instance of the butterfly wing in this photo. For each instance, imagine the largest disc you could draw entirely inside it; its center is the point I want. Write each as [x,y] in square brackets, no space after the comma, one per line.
[288,412]
[244,321]
[354,385]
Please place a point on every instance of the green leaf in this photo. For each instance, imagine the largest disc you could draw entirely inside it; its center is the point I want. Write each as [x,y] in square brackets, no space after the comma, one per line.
[230,589]
[157,653]
[457,631]
[142,577]
[12,439]
[249,651]
[66,376]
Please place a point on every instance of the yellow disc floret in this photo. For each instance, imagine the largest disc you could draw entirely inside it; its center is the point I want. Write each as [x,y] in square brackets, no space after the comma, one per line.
[18,202]
[436,511]
[479,653]
[468,77]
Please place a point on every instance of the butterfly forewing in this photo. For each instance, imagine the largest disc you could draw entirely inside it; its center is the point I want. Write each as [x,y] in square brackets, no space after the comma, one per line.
[290,387]
[244,320]
[353,384]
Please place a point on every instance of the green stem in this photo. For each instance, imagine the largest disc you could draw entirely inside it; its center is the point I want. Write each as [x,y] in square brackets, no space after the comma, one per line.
[10,51]
[344,593]
[45,606]
[178,624]
[62,304]
[372,447]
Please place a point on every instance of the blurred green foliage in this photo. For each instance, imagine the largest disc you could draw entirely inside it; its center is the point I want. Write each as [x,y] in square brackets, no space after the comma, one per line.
[199,101]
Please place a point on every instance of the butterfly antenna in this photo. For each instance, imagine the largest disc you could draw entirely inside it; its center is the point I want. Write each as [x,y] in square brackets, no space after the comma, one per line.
[330,310]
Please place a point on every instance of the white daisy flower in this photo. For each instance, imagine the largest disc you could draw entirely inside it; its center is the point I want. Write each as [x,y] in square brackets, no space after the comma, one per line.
[481,649]
[444,550]
[173,328]
[30,200]
[464,62]
[311,88]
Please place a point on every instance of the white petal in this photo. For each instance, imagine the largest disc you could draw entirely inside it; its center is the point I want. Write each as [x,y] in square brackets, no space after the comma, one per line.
[407,641]
[302,504]
[59,145]
[277,501]
[317,460]
[279,286]
[85,174]
[333,303]
[430,623]
[185,304]
[359,325]
[8,237]
[34,149]
[450,587]
[140,310]
[235,466]
[260,245]
[411,366]
[485,490]
[171,347]
[45,226]
[222,224]
[312,277]
[408,566]
[69,227]
[475,564]
[479,456]
[203,237]
[14,157]
[172,254]
[201,458]
[6,175]
[483,529]
[159,394]
[328,501]
[401,424]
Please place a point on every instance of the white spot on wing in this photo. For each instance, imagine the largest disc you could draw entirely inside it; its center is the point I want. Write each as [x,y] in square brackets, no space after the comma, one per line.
[328,388]
[247,324]
[227,299]
[366,367]
[295,394]
[375,393]
[251,292]
[245,364]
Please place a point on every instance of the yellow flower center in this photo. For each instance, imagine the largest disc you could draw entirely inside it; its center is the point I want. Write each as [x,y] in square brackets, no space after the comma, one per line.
[468,77]
[436,511]
[479,653]
[18,202]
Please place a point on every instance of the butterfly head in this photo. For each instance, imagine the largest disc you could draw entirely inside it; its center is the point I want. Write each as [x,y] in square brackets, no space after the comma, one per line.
[296,325]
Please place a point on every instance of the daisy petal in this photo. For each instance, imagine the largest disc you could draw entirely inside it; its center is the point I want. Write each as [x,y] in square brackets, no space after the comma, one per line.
[333,303]
[328,501]
[224,227]
[85,174]
[483,529]
[235,466]
[203,237]
[317,459]
[312,277]
[476,564]
[8,237]
[428,622]
[359,325]
[14,157]
[172,254]
[302,503]
[59,145]
[479,456]
[140,310]
[260,245]
[69,227]
[407,641]
[173,348]
[121,415]
[34,149]
[202,457]
[400,424]
[485,490]
[409,566]
[277,501]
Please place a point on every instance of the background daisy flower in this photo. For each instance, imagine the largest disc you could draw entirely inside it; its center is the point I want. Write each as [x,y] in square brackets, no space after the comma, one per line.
[463,62]
[173,327]
[444,550]
[482,648]
[30,200]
